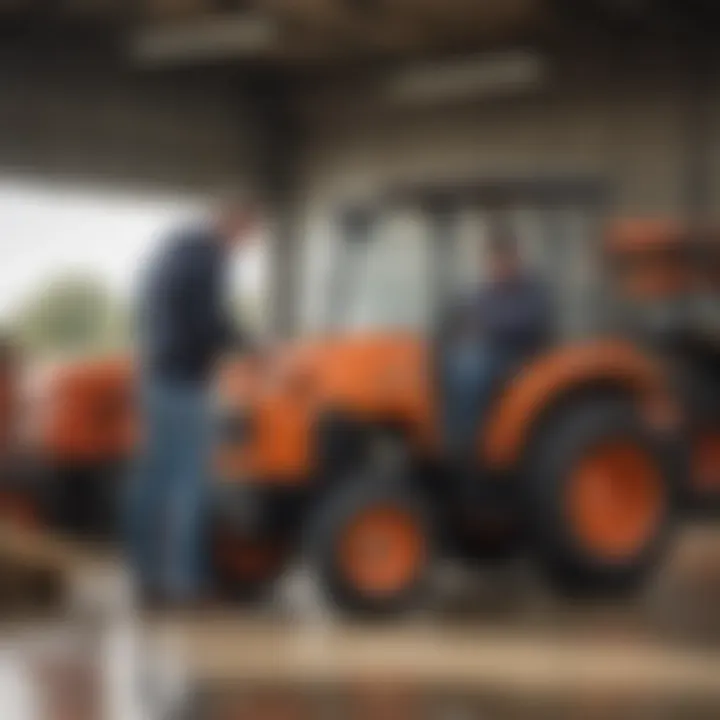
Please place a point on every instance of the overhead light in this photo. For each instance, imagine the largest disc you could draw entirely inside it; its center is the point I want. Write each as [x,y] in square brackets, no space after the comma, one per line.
[204,39]
[476,76]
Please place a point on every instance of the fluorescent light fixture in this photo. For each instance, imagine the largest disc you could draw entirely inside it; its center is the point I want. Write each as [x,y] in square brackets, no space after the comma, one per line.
[204,39]
[476,76]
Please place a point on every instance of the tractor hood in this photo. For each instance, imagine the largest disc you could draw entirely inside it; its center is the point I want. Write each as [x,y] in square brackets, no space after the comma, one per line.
[364,373]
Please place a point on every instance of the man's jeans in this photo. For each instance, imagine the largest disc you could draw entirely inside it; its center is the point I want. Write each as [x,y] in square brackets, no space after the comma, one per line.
[470,372]
[168,491]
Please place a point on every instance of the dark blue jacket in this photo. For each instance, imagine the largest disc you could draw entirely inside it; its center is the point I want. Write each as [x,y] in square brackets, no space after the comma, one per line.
[183,324]
[514,317]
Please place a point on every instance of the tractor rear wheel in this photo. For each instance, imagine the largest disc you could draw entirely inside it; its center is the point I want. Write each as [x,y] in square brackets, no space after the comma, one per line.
[602,498]
[371,544]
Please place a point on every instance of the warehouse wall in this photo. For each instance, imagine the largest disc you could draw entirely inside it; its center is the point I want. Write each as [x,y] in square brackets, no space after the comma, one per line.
[626,129]
[175,132]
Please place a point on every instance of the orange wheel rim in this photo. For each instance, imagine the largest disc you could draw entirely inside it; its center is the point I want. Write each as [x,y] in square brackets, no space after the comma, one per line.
[616,500]
[382,550]
[706,461]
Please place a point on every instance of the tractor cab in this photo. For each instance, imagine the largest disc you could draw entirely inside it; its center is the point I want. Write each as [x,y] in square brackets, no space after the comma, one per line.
[397,262]
[395,265]
[398,266]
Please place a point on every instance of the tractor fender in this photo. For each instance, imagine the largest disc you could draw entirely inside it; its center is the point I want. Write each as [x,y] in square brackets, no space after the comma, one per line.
[602,364]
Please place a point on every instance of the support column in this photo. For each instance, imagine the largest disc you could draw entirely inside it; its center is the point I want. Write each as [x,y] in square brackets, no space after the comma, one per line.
[276,157]
[698,55]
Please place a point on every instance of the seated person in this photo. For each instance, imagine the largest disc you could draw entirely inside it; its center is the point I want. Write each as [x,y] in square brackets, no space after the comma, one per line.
[491,330]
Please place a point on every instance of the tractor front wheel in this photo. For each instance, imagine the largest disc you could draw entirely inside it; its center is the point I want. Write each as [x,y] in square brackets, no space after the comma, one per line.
[602,498]
[371,544]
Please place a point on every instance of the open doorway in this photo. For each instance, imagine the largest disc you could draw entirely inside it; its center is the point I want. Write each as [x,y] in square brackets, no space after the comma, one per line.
[72,256]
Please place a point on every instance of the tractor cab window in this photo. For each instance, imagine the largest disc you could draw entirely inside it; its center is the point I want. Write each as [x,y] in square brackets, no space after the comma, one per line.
[404,265]
[388,287]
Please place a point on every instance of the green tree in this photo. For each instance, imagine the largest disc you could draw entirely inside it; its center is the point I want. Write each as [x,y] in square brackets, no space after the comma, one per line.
[72,313]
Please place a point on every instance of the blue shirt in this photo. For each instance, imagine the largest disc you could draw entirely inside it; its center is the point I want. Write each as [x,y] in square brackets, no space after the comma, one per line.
[513,316]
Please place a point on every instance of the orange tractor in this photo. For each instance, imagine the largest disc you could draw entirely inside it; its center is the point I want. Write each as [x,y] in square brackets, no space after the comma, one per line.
[330,447]
[333,445]
[68,432]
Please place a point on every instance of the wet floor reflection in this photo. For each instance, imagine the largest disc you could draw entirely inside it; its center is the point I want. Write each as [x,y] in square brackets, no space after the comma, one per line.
[494,644]
[681,608]
[414,703]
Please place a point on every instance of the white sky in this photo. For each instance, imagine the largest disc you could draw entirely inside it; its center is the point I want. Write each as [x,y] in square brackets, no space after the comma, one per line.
[48,230]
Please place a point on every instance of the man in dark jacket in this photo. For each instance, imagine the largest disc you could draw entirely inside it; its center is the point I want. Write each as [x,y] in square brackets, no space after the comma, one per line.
[183,326]
[490,331]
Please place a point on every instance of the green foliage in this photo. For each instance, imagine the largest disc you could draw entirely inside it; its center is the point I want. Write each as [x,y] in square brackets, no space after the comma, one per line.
[73,313]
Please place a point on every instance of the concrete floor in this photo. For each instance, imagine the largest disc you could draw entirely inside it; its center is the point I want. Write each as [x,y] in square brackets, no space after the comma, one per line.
[494,644]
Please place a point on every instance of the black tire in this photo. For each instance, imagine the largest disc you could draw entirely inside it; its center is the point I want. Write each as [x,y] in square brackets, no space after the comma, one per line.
[699,391]
[572,567]
[24,486]
[86,502]
[326,529]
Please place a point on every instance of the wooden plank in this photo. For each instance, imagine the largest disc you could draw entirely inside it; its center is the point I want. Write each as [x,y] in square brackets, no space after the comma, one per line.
[34,550]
